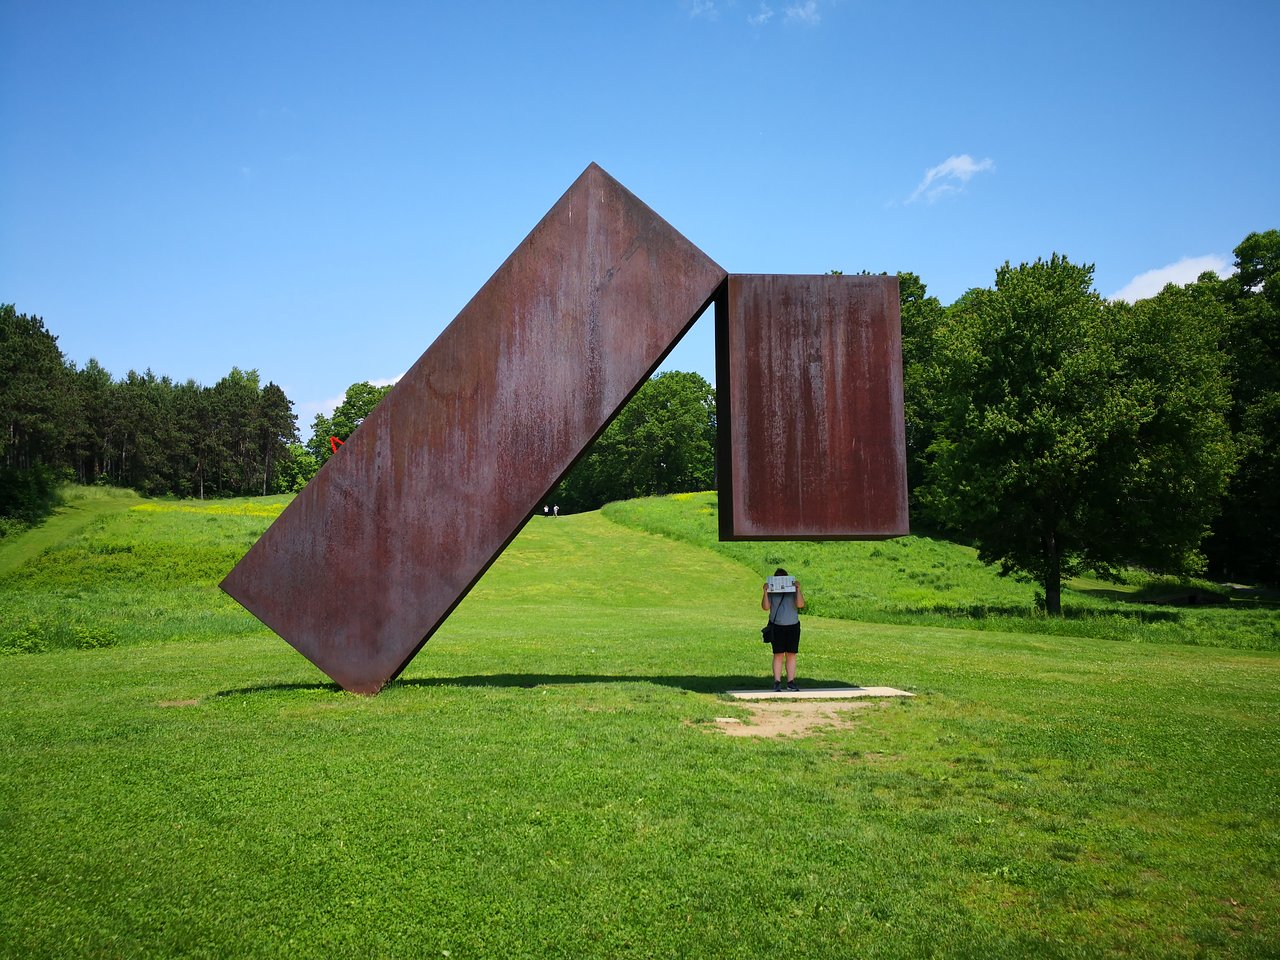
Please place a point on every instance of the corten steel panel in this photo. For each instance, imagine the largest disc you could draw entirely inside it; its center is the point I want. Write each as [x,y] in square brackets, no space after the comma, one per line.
[812,432]
[371,556]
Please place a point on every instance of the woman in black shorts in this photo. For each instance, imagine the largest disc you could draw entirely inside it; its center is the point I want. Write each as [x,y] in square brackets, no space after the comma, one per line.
[784,612]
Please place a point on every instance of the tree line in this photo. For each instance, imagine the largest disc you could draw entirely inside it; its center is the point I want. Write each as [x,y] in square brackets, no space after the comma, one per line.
[148,432]
[1053,429]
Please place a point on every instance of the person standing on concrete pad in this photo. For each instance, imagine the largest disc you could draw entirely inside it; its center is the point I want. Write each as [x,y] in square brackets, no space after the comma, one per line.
[784,600]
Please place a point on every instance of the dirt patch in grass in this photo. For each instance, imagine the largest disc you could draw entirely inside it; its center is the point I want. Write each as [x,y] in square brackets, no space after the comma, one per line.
[796,718]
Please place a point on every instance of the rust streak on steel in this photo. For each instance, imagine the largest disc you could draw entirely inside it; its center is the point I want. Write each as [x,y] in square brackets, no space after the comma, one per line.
[812,437]
[368,560]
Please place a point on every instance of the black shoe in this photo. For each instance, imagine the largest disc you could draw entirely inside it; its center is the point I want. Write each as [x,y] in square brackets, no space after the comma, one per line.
[777,686]
[793,688]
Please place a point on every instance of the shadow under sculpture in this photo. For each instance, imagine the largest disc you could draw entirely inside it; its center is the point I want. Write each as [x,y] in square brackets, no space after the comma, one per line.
[364,565]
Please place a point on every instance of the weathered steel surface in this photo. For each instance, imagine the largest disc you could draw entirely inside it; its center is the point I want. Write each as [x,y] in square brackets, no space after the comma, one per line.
[812,438]
[368,560]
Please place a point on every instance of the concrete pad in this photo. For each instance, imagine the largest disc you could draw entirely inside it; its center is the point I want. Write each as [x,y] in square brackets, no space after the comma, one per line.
[819,693]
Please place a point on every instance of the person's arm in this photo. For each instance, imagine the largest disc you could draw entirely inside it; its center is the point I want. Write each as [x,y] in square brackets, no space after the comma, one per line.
[764,597]
[799,597]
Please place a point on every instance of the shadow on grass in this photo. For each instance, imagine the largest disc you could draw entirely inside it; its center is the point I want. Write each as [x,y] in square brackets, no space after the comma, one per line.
[1022,614]
[528,681]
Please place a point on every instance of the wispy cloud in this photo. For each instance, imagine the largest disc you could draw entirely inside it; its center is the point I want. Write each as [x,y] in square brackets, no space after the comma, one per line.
[1184,271]
[949,176]
[806,13]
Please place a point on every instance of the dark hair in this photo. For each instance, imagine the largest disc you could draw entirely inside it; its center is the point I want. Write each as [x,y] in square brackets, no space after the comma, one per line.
[780,573]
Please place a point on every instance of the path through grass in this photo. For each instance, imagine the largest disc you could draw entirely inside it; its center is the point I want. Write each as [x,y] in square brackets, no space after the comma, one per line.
[81,507]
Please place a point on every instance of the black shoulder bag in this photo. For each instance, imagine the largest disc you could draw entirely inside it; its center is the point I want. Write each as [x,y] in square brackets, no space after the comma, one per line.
[766,632]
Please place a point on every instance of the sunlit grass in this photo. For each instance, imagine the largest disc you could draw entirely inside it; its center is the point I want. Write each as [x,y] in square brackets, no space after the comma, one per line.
[916,580]
[547,779]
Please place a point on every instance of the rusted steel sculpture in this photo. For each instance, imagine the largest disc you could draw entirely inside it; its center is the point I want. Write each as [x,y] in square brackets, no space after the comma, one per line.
[369,559]
[809,397]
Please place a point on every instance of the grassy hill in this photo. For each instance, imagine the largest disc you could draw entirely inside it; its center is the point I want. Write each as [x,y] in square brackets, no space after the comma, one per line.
[915,580]
[550,777]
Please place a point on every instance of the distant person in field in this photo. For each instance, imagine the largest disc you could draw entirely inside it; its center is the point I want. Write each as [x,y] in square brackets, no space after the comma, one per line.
[556,510]
[546,511]
[784,613]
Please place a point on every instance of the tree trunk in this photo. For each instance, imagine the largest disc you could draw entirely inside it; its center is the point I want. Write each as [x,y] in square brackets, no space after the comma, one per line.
[1052,577]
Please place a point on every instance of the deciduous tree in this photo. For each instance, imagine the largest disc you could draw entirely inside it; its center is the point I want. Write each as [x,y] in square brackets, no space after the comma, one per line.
[662,441]
[1072,434]
[357,403]
[1246,541]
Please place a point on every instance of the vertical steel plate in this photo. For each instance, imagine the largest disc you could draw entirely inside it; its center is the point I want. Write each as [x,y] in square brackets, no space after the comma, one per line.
[368,560]
[812,438]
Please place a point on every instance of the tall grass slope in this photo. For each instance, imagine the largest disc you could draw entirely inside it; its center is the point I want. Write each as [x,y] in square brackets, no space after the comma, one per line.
[916,580]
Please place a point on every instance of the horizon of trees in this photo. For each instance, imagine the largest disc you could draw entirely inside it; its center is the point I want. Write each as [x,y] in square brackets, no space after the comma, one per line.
[151,433]
[1054,430]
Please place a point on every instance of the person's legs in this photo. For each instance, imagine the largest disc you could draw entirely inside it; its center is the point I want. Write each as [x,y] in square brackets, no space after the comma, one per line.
[791,668]
[777,667]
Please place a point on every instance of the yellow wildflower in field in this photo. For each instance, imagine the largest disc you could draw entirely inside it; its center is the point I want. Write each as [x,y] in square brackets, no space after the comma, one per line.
[257,507]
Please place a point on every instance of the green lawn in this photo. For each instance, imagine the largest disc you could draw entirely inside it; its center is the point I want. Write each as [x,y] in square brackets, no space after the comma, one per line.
[547,778]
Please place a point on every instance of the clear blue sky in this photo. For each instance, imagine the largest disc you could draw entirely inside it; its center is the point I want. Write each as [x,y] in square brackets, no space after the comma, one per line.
[315,189]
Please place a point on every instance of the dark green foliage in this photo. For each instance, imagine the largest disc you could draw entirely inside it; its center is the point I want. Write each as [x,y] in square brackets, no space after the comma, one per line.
[37,418]
[37,409]
[27,496]
[144,431]
[663,441]
[1072,434]
[1246,541]
[358,403]
[921,317]
[296,468]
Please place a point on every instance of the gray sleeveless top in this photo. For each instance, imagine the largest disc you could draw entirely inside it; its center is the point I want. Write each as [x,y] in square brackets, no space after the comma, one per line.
[782,609]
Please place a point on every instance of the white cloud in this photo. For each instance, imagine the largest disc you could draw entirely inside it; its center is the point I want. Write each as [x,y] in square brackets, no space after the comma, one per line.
[703,8]
[806,13]
[949,176]
[1184,271]
[763,17]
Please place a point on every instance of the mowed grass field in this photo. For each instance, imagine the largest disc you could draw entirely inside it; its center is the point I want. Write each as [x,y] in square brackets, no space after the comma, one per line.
[551,777]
